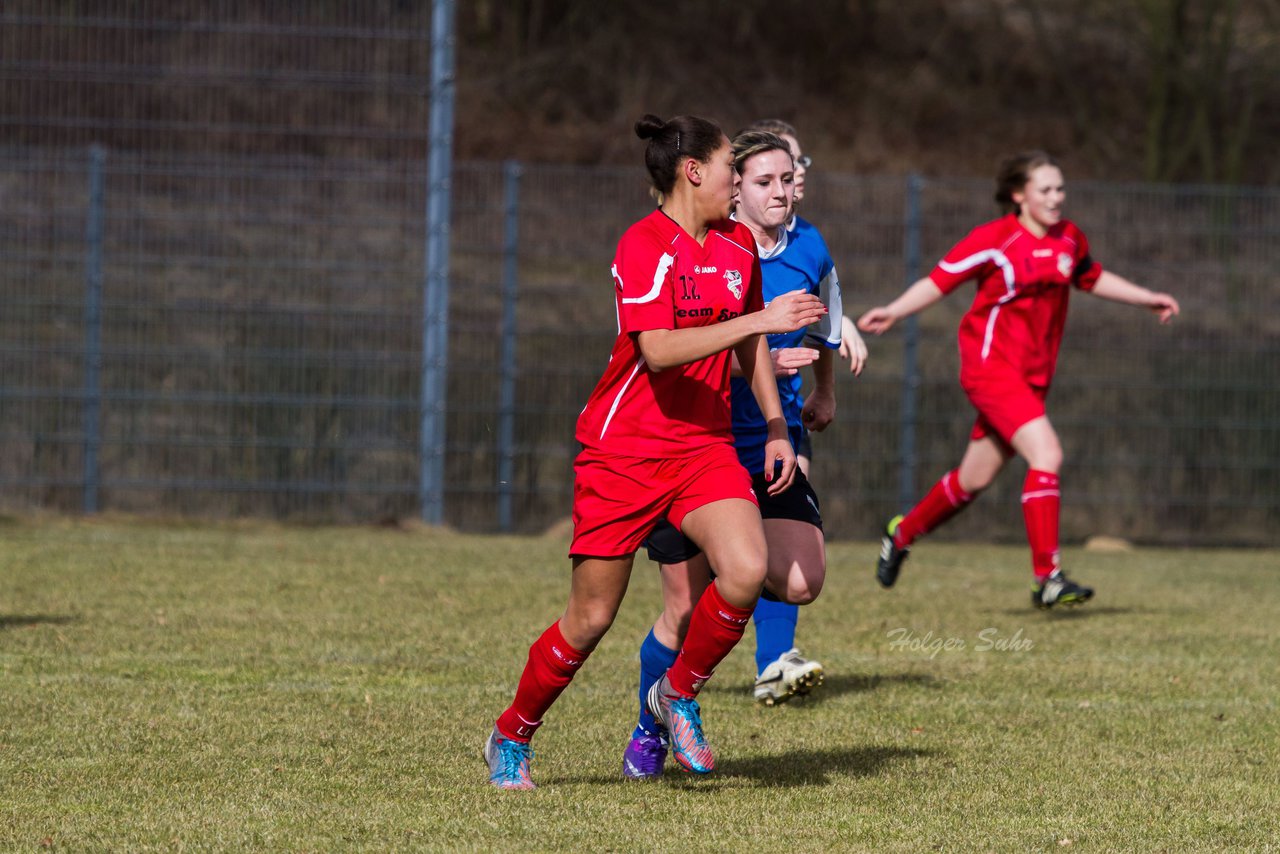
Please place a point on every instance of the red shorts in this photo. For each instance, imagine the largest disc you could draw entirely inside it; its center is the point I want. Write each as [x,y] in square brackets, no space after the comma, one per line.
[1005,402]
[617,500]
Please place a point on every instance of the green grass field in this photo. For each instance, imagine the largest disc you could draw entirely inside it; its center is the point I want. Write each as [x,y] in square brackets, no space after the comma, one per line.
[254,687]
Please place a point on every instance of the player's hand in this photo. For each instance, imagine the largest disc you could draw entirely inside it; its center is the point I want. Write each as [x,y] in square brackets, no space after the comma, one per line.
[1165,307]
[852,347]
[877,321]
[819,410]
[779,465]
[787,361]
[791,311]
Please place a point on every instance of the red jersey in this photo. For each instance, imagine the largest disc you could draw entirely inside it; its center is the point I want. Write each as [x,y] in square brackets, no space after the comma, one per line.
[1020,309]
[663,279]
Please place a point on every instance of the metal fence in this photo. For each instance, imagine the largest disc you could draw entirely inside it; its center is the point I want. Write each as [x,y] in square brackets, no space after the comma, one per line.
[211,300]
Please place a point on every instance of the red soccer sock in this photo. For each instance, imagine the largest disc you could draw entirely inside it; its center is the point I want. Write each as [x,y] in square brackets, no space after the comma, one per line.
[943,501]
[1040,508]
[551,667]
[714,629]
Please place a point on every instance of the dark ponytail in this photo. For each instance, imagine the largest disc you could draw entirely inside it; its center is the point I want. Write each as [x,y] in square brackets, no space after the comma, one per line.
[672,141]
[1014,174]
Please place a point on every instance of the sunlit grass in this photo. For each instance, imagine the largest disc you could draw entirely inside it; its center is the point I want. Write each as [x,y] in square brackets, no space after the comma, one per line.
[257,687]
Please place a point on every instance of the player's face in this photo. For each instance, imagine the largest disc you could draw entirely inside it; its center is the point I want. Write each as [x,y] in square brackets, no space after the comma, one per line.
[767,191]
[719,181]
[1042,198]
[797,155]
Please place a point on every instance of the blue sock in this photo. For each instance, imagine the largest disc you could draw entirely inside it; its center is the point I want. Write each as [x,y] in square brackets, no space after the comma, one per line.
[655,660]
[775,631]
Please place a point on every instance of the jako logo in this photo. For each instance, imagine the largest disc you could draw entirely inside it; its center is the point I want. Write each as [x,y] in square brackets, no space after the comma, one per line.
[700,270]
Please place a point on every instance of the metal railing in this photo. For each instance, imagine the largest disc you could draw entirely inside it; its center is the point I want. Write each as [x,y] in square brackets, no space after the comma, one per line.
[173,347]
[212,270]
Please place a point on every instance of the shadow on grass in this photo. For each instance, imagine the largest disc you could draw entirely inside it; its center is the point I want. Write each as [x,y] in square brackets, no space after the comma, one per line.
[1079,612]
[858,683]
[817,767]
[794,768]
[8,621]
[839,684]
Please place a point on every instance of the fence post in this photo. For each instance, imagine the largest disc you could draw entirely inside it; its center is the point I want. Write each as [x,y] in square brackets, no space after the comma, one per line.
[910,347]
[92,399]
[435,298]
[511,171]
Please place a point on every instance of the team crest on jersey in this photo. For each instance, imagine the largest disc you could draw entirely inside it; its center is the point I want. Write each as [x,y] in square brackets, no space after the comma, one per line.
[733,281]
[1065,265]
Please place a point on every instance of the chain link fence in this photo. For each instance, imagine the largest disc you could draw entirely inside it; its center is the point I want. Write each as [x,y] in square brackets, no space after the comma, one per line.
[211,279]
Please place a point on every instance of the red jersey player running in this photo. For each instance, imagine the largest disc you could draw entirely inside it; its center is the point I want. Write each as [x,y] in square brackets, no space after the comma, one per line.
[656,440]
[1024,264]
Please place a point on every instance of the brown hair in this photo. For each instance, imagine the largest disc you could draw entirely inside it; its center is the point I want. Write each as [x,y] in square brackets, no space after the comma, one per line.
[673,140]
[1014,174]
[774,126]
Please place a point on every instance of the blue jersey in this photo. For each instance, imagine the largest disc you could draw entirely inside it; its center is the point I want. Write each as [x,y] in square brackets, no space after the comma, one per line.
[799,262]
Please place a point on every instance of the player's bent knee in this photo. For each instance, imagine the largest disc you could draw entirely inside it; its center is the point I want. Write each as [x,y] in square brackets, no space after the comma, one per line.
[741,584]
[589,622]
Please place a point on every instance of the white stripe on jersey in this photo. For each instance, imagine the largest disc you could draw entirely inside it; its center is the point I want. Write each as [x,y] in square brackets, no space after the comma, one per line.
[1006,269]
[827,330]
[994,255]
[734,242]
[618,399]
[659,275]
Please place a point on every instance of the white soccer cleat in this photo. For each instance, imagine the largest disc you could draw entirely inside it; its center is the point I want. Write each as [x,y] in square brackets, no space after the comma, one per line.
[790,674]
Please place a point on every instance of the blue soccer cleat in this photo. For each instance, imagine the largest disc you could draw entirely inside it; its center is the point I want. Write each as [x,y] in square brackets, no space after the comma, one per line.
[683,720]
[508,762]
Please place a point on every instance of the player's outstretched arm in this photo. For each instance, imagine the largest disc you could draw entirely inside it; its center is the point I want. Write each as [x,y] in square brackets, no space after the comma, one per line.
[918,297]
[1119,289]
[666,348]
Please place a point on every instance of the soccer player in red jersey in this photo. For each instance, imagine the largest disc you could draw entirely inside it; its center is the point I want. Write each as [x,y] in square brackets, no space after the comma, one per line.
[656,440]
[1025,264]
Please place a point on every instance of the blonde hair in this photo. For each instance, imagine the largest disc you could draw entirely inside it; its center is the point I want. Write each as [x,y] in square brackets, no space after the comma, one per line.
[749,143]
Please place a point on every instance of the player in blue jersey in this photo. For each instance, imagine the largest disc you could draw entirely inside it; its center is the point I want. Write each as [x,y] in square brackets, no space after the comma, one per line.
[781,671]
[790,260]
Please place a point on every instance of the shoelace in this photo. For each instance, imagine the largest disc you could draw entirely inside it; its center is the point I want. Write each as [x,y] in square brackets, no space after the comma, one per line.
[653,746]
[688,708]
[514,757]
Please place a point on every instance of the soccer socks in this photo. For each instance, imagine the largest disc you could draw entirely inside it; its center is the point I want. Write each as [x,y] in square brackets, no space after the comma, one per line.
[943,501]
[714,629]
[775,630]
[551,667]
[1041,501]
[656,659]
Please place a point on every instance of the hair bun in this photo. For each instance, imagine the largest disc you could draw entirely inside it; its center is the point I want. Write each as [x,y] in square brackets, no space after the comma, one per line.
[650,126]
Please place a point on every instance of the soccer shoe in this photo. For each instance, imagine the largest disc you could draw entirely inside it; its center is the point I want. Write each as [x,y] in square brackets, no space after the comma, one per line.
[891,555]
[508,762]
[644,758]
[790,674]
[1057,589]
[683,720]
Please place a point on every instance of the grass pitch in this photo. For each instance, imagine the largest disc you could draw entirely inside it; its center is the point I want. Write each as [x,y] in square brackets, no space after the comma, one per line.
[254,687]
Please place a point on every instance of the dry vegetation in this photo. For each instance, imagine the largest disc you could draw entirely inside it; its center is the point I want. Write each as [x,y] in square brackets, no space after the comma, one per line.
[1156,90]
